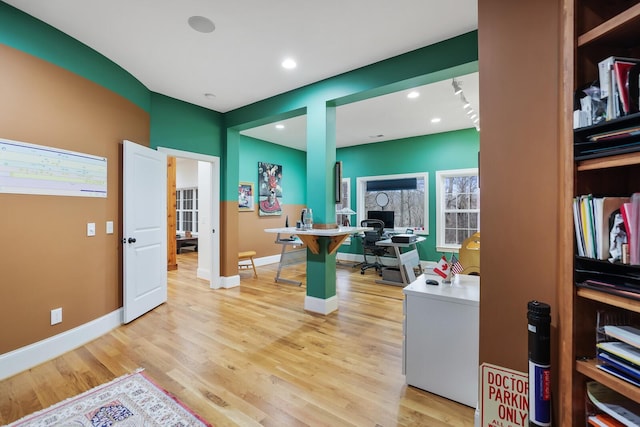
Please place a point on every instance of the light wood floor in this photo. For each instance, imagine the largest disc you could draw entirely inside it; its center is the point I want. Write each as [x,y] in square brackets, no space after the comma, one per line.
[251,355]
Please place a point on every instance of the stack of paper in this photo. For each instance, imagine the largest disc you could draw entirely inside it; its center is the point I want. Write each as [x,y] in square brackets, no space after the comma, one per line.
[621,358]
[622,409]
[615,85]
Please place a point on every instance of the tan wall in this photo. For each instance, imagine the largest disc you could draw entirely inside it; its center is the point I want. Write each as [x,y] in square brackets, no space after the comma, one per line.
[252,236]
[244,231]
[46,260]
[518,57]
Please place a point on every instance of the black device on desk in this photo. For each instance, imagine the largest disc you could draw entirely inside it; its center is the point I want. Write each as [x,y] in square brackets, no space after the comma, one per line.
[431,282]
[403,238]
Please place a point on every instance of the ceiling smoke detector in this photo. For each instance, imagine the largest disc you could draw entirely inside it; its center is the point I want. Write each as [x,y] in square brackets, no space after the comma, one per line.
[201,24]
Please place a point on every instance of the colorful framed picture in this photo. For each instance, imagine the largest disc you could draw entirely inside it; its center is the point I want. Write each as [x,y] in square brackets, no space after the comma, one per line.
[245,197]
[270,189]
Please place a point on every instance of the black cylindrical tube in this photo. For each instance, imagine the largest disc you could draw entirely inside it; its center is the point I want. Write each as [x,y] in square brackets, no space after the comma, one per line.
[539,327]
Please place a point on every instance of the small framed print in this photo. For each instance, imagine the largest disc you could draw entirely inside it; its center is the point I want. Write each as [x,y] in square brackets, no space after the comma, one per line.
[245,197]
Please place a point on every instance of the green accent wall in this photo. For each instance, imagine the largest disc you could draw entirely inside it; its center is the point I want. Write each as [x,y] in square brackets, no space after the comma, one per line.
[294,172]
[183,126]
[427,153]
[28,34]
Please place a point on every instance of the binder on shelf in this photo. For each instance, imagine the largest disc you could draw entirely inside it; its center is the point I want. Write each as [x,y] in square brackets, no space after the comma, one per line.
[592,222]
[621,71]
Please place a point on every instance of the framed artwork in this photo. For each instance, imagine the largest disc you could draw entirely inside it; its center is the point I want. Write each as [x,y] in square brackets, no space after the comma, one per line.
[270,189]
[338,182]
[245,197]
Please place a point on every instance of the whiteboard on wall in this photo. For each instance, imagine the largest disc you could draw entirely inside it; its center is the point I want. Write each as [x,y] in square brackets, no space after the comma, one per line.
[37,169]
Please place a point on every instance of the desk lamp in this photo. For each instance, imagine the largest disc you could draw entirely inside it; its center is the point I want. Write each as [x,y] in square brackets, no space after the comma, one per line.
[345,212]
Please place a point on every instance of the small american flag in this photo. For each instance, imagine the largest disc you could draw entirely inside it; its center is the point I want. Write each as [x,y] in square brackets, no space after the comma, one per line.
[456,267]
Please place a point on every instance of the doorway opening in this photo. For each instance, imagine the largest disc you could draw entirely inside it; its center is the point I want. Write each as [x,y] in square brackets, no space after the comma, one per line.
[208,215]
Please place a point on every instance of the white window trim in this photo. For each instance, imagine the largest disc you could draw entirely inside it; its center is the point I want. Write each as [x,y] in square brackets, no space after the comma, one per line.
[361,188]
[194,210]
[440,175]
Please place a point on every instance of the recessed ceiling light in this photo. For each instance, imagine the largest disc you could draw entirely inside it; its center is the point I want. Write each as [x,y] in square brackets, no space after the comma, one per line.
[279,126]
[436,120]
[201,24]
[289,64]
[413,94]
[209,96]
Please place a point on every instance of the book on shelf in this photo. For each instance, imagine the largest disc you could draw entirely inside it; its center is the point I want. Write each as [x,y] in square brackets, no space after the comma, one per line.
[631,216]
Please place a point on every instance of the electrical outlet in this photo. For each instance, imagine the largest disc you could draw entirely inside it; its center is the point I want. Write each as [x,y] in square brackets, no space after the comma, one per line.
[56,316]
[91,229]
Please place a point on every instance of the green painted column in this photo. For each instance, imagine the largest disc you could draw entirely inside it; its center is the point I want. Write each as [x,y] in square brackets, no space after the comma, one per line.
[321,159]
[229,210]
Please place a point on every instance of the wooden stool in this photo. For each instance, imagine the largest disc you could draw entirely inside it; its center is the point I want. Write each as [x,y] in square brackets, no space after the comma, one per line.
[247,256]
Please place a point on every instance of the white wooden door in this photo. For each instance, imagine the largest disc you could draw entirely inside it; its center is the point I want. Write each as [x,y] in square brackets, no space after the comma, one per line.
[144,230]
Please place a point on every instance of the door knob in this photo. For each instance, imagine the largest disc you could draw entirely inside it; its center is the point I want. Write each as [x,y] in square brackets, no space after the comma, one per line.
[132,240]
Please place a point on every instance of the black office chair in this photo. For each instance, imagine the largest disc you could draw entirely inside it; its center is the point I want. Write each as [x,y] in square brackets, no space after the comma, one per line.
[369,246]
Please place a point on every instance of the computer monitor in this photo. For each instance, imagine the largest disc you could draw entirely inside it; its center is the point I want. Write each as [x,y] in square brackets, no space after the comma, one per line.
[386,216]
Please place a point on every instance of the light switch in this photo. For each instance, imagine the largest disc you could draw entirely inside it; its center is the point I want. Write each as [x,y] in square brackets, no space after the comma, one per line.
[91,229]
[109,227]
[56,316]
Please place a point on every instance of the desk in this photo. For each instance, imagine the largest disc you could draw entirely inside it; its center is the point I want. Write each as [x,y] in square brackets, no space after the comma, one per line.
[440,349]
[406,260]
[290,257]
[182,241]
[310,237]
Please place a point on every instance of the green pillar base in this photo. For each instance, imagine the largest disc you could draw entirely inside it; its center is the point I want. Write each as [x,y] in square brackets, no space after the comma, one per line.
[321,280]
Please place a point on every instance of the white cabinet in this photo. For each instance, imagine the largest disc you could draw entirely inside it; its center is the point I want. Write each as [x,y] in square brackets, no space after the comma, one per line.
[441,337]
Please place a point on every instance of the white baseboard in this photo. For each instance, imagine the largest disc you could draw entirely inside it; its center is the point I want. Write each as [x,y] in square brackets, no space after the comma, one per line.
[27,357]
[266,260]
[229,282]
[319,305]
[343,256]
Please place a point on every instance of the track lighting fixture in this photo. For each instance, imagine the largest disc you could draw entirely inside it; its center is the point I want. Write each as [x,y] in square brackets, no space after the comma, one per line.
[457,89]
[466,105]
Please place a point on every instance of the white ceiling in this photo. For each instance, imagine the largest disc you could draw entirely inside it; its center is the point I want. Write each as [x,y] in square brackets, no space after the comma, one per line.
[239,62]
[387,117]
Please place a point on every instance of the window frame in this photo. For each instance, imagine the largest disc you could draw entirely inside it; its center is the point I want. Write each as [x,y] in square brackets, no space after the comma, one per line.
[361,189]
[180,210]
[441,246]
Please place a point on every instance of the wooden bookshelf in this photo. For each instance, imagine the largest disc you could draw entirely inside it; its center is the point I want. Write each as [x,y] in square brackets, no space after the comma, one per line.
[592,31]
[609,299]
[589,369]
[622,27]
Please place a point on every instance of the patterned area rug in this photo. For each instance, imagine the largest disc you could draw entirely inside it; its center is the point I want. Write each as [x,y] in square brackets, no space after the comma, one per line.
[129,401]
